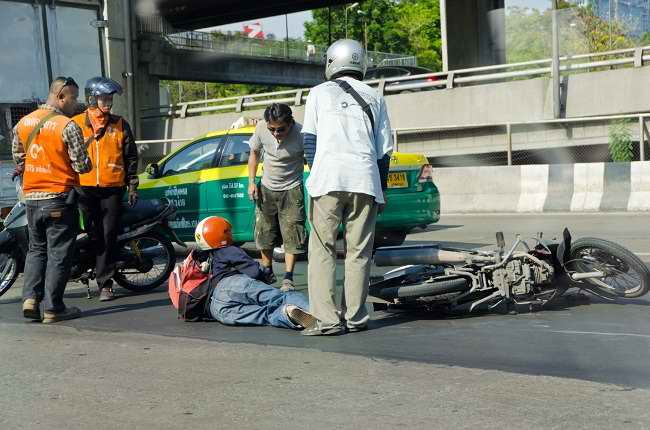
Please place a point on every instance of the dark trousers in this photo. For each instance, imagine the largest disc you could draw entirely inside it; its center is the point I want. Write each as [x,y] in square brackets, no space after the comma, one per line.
[53,228]
[102,207]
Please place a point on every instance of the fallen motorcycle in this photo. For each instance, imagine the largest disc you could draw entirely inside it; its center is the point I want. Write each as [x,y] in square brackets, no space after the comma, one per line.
[144,259]
[532,272]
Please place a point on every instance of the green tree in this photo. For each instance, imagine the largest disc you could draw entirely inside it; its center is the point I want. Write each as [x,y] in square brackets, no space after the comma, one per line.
[410,27]
[529,32]
[185,91]
[620,141]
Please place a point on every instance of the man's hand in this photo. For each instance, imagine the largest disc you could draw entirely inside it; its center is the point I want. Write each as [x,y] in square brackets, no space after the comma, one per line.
[382,206]
[133,195]
[18,171]
[252,190]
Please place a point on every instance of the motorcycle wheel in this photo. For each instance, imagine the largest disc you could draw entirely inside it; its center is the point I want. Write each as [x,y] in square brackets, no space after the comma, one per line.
[626,275]
[151,275]
[8,272]
[426,289]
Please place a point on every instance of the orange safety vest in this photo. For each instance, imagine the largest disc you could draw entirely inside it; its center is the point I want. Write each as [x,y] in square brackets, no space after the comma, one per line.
[47,163]
[105,153]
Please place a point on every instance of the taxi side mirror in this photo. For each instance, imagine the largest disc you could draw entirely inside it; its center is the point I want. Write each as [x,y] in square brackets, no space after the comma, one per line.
[152,170]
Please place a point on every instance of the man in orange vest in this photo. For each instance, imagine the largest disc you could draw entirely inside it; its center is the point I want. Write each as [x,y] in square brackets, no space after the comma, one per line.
[48,148]
[114,157]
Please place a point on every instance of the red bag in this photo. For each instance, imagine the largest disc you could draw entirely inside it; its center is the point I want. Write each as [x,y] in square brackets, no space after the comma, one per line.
[190,289]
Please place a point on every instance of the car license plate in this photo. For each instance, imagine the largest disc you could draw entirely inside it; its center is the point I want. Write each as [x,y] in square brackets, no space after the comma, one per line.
[397,180]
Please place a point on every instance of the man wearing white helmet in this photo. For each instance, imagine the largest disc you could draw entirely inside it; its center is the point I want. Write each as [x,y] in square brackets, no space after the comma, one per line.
[347,144]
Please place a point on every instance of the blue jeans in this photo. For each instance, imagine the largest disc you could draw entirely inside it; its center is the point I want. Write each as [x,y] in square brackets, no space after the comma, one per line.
[241,300]
[52,227]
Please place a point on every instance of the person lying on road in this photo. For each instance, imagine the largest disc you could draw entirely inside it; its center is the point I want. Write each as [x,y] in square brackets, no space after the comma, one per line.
[242,295]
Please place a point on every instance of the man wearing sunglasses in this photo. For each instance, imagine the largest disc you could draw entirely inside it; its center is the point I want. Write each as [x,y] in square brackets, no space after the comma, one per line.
[280,205]
[48,149]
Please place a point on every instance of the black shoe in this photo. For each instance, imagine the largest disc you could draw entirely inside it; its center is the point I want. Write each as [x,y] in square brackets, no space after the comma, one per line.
[318,330]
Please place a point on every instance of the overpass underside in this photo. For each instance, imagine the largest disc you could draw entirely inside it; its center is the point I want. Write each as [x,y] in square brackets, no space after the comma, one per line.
[163,61]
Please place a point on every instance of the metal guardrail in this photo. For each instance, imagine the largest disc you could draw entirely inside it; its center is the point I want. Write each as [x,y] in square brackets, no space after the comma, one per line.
[497,73]
[640,117]
[396,132]
[296,50]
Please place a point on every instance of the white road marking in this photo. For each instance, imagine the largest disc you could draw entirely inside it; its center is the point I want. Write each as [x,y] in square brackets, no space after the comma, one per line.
[596,333]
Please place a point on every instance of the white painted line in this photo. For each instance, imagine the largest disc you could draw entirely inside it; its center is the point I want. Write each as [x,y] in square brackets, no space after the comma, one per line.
[596,333]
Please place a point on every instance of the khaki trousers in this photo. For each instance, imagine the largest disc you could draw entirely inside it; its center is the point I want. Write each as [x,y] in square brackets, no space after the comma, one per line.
[357,212]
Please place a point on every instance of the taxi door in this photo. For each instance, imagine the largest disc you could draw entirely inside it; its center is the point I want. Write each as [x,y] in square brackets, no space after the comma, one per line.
[227,191]
[179,181]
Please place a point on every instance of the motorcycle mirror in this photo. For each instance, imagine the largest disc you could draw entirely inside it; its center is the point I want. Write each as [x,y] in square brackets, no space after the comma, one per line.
[501,243]
[152,170]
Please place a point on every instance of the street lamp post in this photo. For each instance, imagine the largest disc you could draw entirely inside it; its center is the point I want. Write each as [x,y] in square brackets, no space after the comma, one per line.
[353,5]
[364,17]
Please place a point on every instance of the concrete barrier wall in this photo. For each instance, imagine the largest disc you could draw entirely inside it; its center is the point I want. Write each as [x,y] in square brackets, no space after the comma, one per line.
[588,187]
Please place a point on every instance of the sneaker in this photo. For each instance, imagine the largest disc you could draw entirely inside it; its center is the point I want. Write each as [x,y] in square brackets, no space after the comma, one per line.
[287,285]
[357,328]
[300,317]
[32,309]
[106,294]
[69,313]
[318,330]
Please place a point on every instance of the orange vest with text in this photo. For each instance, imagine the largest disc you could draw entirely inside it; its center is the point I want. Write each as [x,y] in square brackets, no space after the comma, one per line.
[105,153]
[47,163]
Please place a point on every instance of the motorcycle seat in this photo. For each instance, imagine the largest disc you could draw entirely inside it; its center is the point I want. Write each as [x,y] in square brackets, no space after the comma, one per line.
[144,210]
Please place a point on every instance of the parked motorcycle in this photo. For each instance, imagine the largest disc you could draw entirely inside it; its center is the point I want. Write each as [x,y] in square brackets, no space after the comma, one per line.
[534,276]
[144,259]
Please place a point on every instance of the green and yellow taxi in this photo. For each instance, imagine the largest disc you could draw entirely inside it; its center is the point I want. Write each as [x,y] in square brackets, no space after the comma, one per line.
[209,176]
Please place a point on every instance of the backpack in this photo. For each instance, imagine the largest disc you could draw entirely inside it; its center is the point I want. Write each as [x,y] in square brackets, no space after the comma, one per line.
[190,289]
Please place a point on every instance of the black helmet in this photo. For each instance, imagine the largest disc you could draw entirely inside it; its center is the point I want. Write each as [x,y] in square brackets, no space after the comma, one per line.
[98,86]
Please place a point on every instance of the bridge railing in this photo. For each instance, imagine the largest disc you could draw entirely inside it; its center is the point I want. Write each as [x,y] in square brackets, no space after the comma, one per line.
[632,57]
[507,153]
[236,44]
[626,121]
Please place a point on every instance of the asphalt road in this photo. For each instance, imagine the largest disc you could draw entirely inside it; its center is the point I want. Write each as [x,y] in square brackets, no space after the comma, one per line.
[578,353]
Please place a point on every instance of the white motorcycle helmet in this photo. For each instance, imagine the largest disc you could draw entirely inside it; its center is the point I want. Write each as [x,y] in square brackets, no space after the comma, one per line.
[345,55]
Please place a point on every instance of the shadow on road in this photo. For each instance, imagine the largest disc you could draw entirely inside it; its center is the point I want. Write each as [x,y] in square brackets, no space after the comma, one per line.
[126,307]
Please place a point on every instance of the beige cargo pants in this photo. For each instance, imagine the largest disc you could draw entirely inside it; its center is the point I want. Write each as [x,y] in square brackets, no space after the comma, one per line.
[357,212]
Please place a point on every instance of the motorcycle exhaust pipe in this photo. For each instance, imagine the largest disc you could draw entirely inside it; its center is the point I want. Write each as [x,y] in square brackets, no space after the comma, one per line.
[417,254]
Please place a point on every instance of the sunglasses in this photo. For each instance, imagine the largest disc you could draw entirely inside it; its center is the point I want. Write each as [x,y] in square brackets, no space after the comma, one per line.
[67,82]
[277,130]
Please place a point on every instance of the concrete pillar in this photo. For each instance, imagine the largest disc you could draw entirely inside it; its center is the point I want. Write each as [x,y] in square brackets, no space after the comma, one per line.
[114,48]
[473,33]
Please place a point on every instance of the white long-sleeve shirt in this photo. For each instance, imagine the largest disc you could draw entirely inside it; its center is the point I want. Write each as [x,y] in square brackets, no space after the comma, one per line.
[347,150]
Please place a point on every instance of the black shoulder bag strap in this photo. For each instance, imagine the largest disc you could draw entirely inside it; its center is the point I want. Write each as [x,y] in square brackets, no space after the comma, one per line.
[364,104]
[36,129]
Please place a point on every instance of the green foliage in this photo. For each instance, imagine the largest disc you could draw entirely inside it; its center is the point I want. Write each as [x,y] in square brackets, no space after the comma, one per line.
[184,91]
[410,27]
[620,141]
[529,33]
